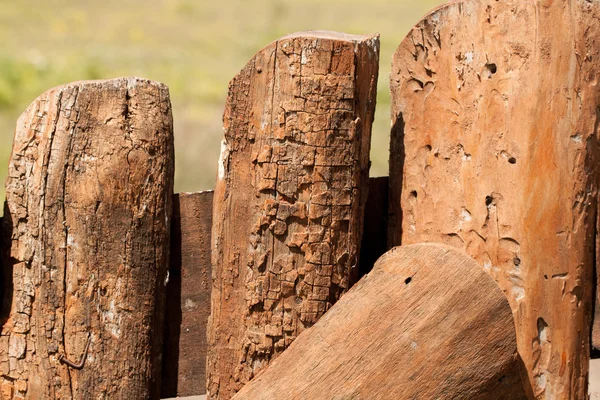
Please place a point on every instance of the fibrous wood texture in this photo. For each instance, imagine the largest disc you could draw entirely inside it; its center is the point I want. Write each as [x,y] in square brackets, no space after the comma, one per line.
[86,231]
[290,197]
[495,150]
[405,331]
[188,296]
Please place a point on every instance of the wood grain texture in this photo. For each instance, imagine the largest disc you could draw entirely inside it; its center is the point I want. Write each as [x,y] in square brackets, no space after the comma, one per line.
[290,195]
[405,331]
[495,150]
[86,231]
[188,296]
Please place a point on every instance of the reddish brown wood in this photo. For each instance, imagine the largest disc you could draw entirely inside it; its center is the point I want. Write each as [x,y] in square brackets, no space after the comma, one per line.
[290,196]
[184,355]
[188,296]
[86,242]
[405,331]
[495,150]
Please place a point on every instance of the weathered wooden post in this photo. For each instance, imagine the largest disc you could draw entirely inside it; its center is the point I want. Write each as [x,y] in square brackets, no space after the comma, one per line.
[495,150]
[290,197]
[86,231]
[405,331]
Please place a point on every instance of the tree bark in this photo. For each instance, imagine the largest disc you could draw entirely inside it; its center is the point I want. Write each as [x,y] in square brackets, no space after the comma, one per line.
[495,150]
[290,197]
[188,296]
[405,331]
[86,231]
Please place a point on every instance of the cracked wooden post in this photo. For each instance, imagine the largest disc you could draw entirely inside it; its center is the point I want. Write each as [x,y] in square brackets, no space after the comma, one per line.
[405,331]
[290,197]
[495,110]
[86,225]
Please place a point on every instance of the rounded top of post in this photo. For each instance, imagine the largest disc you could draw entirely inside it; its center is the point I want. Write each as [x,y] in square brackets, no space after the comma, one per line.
[331,35]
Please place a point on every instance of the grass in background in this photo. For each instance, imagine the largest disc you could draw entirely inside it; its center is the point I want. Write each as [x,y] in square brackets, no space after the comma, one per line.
[193,46]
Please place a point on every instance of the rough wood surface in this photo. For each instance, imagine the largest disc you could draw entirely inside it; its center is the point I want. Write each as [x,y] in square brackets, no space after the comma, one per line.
[188,296]
[405,331]
[495,150]
[86,230]
[290,197]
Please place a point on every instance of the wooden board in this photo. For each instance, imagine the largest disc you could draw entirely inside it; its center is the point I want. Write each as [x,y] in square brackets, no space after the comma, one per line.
[405,331]
[86,243]
[188,296]
[495,150]
[290,196]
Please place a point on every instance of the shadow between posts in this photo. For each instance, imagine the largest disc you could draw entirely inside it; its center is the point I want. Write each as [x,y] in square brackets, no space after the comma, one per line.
[189,286]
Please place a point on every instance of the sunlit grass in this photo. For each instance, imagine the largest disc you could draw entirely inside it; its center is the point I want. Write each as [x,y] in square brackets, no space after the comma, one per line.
[195,47]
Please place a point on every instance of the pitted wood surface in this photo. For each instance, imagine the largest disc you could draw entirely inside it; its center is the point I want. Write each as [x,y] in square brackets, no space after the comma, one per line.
[86,238]
[405,331]
[495,150]
[290,197]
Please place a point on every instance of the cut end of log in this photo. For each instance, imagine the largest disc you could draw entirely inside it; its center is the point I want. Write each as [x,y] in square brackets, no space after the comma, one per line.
[427,322]
[332,35]
[128,81]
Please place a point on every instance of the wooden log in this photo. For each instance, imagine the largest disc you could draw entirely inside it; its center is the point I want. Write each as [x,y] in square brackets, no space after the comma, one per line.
[405,331]
[188,296]
[495,150]
[290,197]
[86,224]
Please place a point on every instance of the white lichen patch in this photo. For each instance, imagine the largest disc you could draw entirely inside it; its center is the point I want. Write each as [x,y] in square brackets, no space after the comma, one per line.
[189,304]
[223,159]
[468,57]
[111,319]
[465,215]
[518,293]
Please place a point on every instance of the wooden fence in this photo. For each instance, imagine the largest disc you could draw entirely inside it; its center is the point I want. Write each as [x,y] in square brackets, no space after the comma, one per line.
[115,287]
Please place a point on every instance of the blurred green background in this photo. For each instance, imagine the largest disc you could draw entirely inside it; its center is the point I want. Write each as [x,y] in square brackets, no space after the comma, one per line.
[193,46]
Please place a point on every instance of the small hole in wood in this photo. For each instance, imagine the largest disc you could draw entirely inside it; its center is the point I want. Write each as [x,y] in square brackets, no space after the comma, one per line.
[407,280]
[492,68]
[517,261]
[414,194]
[488,200]
[512,160]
